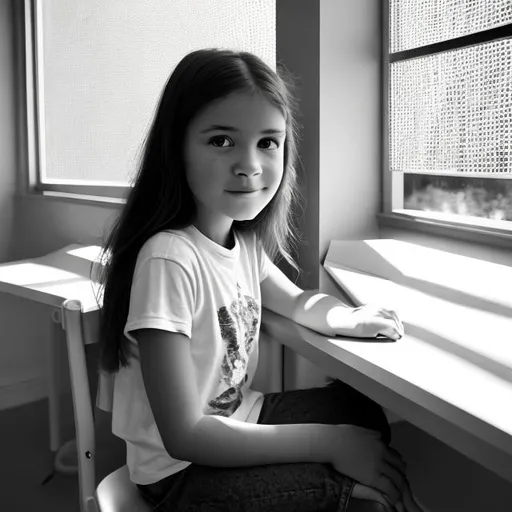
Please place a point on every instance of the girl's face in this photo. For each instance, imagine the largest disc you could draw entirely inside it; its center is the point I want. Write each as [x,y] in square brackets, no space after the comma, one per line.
[234,158]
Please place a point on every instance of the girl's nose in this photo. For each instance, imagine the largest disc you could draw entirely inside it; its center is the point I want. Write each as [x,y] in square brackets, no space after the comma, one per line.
[248,166]
[249,172]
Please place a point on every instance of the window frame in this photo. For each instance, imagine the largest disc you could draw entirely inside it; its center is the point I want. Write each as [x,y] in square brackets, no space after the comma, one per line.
[34,90]
[393,214]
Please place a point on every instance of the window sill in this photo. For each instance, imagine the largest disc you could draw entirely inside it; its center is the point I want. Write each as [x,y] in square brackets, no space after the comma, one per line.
[67,197]
[481,231]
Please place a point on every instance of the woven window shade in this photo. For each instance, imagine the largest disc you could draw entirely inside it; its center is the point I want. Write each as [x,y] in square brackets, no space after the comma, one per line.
[451,113]
[414,23]
[106,62]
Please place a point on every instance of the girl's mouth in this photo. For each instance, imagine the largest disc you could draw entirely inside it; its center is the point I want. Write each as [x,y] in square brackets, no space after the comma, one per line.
[244,192]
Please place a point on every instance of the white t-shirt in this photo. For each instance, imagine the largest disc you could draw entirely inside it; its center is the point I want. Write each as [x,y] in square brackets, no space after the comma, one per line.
[184,282]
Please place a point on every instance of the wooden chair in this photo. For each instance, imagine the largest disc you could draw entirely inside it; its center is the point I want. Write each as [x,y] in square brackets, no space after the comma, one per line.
[116,492]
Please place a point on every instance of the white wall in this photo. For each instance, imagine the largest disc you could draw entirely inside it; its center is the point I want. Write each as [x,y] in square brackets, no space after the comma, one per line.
[21,353]
[7,128]
[350,94]
[341,143]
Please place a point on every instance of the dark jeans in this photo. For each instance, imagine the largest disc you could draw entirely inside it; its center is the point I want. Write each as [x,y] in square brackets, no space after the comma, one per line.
[299,487]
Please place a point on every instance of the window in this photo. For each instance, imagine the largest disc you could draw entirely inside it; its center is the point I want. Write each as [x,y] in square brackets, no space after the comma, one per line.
[448,125]
[95,71]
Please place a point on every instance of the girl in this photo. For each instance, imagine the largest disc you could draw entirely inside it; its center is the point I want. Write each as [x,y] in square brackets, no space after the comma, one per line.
[189,268]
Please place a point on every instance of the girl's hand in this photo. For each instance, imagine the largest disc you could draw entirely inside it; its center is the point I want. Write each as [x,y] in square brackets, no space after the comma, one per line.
[359,453]
[363,492]
[406,504]
[368,321]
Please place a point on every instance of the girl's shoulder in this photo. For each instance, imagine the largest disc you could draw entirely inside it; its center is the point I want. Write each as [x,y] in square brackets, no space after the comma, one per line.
[169,244]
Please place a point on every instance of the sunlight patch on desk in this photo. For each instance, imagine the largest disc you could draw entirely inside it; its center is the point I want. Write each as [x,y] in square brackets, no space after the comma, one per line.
[433,271]
[89,253]
[33,274]
[464,329]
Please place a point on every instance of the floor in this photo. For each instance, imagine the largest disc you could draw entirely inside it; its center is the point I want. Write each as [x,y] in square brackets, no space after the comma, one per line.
[442,478]
[27,461]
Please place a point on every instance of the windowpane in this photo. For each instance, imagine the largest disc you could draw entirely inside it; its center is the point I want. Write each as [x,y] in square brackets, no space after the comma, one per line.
[106,62]
[415,23]
[451,112]
[476,197]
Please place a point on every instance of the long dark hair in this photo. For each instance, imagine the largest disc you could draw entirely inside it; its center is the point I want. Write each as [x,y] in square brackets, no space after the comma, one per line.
[161,198]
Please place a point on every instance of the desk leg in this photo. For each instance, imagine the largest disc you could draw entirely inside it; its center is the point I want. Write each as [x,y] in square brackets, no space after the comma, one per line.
[54,382]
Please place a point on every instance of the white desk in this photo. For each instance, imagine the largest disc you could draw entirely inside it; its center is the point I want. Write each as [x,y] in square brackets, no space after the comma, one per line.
[451,374]
[52,279]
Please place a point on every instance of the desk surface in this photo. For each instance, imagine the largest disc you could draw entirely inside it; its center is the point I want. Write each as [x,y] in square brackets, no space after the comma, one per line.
[53,278]
[451,374]
[472,413]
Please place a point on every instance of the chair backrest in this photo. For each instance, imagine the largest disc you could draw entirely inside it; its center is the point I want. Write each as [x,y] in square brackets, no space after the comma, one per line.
[82,329]
[115,493]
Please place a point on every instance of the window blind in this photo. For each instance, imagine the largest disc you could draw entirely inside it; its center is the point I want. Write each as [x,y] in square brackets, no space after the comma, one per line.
[105,63]
[450,112]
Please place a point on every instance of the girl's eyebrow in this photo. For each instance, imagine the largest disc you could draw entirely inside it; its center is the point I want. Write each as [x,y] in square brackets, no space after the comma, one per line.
[218,127]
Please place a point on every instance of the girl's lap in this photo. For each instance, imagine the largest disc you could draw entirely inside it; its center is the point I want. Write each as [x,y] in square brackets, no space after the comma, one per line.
[299,487]
[336,403]
[280,487]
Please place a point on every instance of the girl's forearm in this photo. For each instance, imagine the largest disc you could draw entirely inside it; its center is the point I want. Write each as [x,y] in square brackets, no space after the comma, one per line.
[224,442]
[322,313]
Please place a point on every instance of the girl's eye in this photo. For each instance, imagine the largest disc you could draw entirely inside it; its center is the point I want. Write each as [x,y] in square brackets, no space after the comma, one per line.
[267,143]
[221,141]
[218,141]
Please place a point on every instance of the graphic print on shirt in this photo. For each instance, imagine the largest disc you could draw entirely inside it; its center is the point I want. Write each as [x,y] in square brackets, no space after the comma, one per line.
[238,324]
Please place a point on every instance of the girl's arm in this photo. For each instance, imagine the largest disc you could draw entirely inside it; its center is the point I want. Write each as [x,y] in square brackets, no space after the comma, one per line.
[324,313]
[188,434]
[211,440]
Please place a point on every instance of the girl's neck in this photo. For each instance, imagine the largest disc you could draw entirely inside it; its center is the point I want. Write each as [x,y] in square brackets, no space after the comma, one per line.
[224,238]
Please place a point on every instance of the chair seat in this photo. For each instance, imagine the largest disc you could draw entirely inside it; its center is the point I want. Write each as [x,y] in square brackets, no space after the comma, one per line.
[117,493]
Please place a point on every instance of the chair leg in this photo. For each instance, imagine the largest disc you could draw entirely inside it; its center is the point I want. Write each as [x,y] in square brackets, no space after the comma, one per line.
[358,505]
